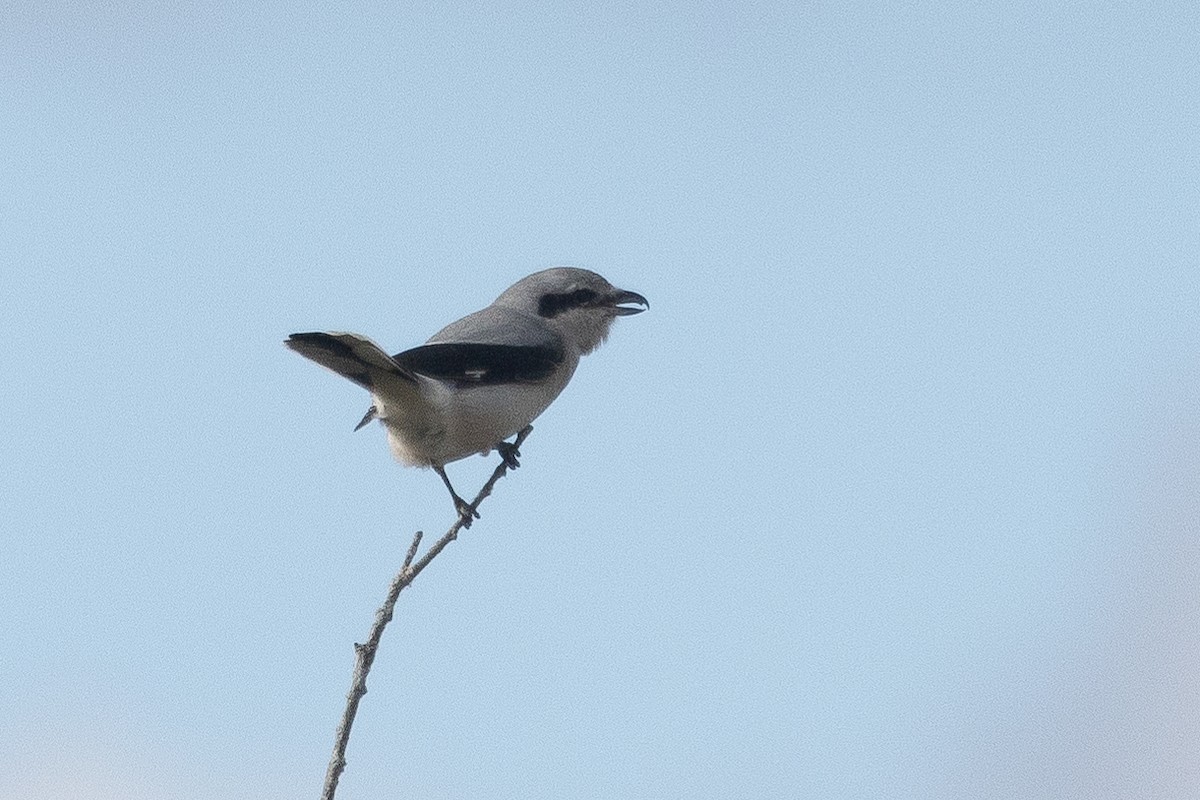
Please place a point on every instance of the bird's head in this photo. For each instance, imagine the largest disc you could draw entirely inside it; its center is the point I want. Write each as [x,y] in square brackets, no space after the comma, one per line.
[580,304]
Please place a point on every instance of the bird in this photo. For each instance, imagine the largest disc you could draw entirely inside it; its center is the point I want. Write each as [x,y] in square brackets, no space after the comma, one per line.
[480,379]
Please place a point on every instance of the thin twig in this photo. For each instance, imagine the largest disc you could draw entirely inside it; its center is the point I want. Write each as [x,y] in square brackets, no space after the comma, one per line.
[365,653]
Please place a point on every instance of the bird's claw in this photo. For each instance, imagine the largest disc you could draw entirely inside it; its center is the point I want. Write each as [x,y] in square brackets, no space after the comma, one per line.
[509,454]
[466,512]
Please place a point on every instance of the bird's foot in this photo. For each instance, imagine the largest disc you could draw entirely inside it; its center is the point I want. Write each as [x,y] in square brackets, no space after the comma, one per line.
[509,453]
[466,512]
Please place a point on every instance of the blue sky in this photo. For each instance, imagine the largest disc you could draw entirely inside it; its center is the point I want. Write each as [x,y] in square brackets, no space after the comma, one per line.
[893,491]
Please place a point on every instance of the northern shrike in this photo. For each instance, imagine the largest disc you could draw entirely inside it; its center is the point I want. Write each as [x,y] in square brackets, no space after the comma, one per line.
[483,378]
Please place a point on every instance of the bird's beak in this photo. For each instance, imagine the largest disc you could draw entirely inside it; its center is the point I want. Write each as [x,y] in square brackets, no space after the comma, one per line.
[619,297]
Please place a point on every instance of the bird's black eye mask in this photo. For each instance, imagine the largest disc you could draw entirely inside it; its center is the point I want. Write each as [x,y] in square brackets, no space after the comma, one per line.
[551,305]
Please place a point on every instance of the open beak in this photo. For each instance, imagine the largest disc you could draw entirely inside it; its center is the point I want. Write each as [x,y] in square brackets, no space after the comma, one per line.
[619,299]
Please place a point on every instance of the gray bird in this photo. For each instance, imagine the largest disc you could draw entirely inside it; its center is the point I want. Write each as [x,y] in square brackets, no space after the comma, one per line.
[483,378]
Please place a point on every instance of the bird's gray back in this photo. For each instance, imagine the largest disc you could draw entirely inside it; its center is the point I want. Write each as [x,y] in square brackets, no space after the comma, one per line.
[500,325]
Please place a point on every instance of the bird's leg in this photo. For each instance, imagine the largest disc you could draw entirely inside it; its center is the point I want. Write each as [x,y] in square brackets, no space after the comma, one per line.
[508,450]
[465,512]
[371,414]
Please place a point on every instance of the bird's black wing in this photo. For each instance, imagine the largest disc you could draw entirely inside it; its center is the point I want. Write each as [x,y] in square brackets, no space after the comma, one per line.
[481,364]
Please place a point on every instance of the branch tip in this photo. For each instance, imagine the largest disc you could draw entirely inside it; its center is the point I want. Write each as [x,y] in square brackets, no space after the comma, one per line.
[365,652]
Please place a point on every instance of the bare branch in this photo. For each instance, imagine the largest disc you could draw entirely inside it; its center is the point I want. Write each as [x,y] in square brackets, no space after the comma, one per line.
[365,653]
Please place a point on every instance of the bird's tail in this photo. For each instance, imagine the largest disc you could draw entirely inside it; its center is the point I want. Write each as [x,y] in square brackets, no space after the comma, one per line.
[351,356]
